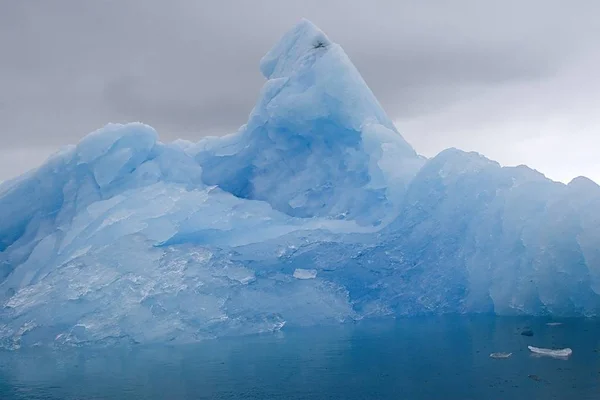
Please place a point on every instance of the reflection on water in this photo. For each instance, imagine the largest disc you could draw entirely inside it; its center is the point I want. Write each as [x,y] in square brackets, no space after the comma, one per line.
[419,358]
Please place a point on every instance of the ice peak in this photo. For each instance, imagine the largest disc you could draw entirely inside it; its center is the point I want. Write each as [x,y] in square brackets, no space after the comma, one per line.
[311,77]
[317,143]
[583,182]
[302,41]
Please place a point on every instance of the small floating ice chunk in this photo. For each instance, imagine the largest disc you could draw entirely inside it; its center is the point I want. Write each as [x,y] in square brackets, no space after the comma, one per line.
[527,332]
[500,355]
[535,378]
[300,273]
[559,353]
[554,323]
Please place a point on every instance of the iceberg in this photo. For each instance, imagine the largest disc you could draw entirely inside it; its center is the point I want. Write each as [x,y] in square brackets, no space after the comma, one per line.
[317,211]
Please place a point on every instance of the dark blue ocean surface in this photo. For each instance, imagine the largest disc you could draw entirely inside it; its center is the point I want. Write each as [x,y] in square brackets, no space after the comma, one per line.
[417,358]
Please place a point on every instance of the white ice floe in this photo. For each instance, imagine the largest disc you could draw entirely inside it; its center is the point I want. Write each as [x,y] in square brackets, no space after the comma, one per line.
[500,355]
[300,273]
[558,353]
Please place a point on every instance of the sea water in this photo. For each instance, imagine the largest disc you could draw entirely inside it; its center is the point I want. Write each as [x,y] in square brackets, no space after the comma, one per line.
[416,358]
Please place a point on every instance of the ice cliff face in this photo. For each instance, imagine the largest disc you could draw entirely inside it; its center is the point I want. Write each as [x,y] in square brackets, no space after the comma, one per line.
[316,211]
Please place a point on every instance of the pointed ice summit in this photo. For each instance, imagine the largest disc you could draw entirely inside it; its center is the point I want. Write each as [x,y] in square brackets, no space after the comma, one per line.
[317,143]
[316,211]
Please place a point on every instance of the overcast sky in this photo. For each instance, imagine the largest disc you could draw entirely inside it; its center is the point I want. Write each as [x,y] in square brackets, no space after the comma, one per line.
[518,81]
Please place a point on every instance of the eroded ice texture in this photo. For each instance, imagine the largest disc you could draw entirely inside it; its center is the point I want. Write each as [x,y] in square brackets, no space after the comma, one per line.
[316,211]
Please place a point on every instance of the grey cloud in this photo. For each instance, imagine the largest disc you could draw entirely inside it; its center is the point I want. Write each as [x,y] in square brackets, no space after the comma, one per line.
[190,68]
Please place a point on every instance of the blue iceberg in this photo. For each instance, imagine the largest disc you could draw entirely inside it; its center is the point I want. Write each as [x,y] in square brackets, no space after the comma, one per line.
[316,211]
